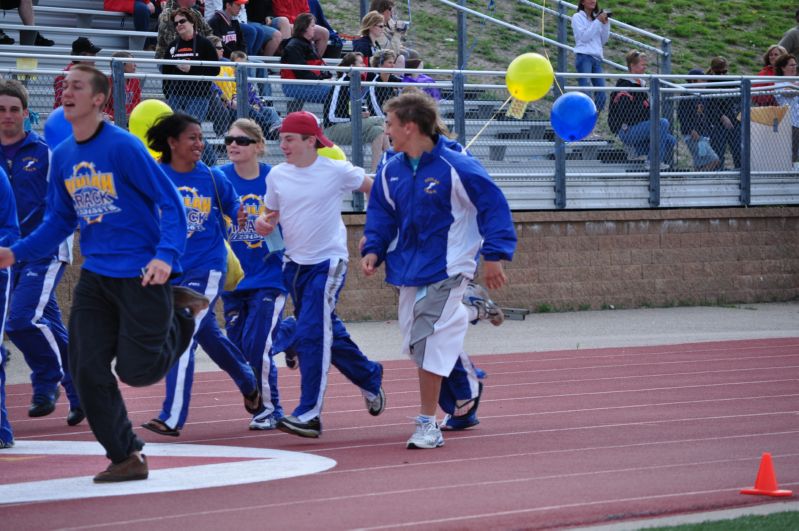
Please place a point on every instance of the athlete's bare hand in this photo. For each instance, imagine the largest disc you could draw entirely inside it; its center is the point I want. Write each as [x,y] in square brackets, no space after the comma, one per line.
[157,272]
[7,258]
[241,217]
[494,275]
[368,264]
[266,223]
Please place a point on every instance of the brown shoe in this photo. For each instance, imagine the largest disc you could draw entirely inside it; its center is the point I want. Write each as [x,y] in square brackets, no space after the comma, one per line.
[132,468]
[187,298]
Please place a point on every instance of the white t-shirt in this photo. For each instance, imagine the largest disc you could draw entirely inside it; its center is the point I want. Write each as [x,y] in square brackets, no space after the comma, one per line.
[309,201]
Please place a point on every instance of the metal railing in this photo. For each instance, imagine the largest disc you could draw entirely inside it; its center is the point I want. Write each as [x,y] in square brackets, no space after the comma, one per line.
[536,169]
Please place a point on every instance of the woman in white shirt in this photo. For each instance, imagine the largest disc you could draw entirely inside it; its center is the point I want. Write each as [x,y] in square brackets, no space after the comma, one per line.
[591,28]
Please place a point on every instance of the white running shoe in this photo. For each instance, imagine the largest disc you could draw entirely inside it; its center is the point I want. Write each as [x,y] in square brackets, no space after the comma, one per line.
[477,296]
[427,435]
[264,421]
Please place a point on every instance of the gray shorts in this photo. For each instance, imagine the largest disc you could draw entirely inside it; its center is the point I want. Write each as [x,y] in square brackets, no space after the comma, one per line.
[371,127]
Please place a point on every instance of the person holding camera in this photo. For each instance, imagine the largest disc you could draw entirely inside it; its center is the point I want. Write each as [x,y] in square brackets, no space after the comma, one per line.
[591,28]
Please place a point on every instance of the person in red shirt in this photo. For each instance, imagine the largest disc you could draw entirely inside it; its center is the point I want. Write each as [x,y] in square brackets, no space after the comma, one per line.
[291,9]
[80,46]
[132,87]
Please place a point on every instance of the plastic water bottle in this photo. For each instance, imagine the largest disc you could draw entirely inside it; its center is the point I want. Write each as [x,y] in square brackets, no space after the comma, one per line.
[274,241]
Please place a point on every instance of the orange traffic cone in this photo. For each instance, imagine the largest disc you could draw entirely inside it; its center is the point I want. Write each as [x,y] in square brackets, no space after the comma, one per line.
[766,482]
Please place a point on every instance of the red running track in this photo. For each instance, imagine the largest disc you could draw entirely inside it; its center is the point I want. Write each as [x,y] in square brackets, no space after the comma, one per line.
[566,438]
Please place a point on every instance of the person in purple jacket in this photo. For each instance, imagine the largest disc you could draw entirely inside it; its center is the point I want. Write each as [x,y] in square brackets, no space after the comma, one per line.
[125,313]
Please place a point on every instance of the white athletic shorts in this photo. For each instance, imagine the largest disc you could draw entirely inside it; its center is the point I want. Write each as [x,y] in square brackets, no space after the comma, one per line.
[433,322]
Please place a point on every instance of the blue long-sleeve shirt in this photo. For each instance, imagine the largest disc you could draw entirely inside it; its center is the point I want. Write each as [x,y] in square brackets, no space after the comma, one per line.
[202,197]
[128,210]
[428,223]
[262,267]
[9,229]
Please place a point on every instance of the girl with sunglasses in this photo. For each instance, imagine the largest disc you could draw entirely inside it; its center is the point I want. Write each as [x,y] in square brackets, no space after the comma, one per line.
[373,28]
[254,309]
[207,196]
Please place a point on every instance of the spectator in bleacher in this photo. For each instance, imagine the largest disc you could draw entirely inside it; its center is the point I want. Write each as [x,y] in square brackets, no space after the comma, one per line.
[337,120]
[299,50]
[334,42]
[257,36]
[414,62]
[785,65]
[261,12]
[790,40]
[26,37]
[191,97]
[166,27]
[291,9]
[394,32]
[591,28]
[80,46]
[140,9]
[132,87]
[723,112]
[379,95]
[695,128]
[265,116]
[628,113]
[373,28]
[225,26]
[769,58]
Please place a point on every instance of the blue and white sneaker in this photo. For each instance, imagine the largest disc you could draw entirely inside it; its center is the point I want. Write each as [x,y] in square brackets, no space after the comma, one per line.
[264,421]
[451,423]
[477,297]
[427,436]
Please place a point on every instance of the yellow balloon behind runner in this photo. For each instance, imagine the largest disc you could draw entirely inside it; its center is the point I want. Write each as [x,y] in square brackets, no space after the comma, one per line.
[335,152]
[142,118]
[529,77]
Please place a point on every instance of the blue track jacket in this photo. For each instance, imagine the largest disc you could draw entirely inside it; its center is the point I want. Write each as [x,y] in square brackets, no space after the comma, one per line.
[428,225]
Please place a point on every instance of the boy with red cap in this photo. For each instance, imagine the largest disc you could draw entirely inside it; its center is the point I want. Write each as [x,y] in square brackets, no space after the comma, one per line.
[304,194]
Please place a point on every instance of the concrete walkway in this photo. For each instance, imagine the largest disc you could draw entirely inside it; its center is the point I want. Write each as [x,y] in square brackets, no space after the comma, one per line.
[381,340]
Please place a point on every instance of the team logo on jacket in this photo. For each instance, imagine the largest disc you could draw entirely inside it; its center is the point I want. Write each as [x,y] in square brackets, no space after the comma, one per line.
[93,193]
[431,185]
[197,207]
[30,164]
[254,207]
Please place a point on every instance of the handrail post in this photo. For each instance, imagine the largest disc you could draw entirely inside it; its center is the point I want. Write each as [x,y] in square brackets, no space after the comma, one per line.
[118,90]
[560,159]
[654,143]
[459,106]
[242,93]
[561,36]
[357,131]
[746,142]
[666,45]
[461,36]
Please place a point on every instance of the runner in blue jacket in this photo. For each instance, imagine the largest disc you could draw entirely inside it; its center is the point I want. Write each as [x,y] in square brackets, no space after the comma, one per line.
[431,210]
[34,318]
[9,233]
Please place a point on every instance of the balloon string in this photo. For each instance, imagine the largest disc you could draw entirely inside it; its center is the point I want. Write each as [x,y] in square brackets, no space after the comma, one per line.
[546,52]
[475,137]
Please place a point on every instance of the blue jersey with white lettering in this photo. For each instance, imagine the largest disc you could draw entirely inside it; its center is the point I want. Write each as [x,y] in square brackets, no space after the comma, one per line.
[205,227]
[263,268]
[128,210]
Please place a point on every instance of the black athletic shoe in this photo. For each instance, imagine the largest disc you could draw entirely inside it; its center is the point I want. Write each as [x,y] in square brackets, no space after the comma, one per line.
[294,426]
[41,406]
[5,39]
[75,416]
[42,41]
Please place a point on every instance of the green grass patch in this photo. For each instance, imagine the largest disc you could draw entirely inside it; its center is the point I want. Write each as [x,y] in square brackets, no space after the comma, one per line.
[788,521]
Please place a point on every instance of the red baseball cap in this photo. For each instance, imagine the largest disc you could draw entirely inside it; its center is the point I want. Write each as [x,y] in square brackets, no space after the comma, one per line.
[304,123]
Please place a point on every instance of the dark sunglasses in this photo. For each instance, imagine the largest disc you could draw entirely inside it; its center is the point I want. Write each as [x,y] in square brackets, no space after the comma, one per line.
[181,21]
[720,72]
[219,47]
[240,140]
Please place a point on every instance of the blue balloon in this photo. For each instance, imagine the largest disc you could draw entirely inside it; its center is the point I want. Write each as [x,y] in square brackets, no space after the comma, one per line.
[573,116]
[56,128]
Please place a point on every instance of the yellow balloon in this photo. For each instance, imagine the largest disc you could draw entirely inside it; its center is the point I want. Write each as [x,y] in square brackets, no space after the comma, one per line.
[142,118]
[335,152]
[529,77]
